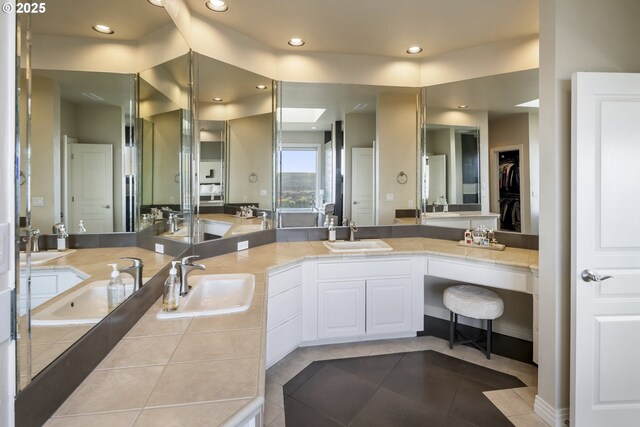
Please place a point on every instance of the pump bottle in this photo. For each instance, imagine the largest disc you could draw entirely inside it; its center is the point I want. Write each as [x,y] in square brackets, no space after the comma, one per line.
[115,289]
[332,231]
[170,295]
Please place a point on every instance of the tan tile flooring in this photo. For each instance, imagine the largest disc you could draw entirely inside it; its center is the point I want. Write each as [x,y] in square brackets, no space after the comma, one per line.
[516,404]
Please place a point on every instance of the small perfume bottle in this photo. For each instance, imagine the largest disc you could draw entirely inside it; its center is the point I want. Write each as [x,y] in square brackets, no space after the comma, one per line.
[81,228]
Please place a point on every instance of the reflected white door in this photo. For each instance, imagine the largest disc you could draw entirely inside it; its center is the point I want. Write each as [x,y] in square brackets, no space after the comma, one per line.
[437,167]
[362,185]
[90,173]
[605,327]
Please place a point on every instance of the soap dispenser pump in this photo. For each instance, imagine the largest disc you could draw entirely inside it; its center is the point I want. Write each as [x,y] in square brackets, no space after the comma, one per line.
[332,231]
[171,293]
[115,289]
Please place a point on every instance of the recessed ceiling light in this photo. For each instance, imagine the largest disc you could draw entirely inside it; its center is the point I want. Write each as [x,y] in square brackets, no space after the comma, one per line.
[261,87]
[104,29]
[296,42]
[217,5]
[414,49]
[156,3]
[463,106]
[217,99]
[314,127]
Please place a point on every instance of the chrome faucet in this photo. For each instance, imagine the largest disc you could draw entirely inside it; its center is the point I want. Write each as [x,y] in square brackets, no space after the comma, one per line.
[135,270]
[436,203]
[173,223]
[352,231]
[35,234]
[186,267]
[265,223]
[445,205]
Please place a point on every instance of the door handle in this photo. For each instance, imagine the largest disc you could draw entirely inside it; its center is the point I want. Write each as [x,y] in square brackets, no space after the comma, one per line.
[590,276]
[355,202]
[107,207]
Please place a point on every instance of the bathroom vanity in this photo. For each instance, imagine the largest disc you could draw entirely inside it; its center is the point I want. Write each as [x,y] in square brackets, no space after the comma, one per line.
[304,295]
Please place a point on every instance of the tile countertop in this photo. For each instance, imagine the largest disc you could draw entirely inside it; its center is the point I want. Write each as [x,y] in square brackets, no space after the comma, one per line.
[202,371]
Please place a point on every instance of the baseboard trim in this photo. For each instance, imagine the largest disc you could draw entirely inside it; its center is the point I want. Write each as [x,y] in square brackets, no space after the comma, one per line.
[500,327]
[551,416]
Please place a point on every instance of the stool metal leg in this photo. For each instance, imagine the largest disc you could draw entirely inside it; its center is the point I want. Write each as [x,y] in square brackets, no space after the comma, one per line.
[451,329]
[489,322]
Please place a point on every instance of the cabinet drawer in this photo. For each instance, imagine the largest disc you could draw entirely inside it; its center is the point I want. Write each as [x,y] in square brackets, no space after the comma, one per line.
[283,339]
[363,269]
[284,306]
[480,275]
[282,280]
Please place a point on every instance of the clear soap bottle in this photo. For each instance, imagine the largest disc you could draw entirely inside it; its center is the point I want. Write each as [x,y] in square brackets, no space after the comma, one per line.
[332,231]
[115,289]
[170,295]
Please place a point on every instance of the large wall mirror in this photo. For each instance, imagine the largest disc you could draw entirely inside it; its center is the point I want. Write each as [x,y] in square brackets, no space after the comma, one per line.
[479,153]
[165,154]
[79,159]
[234,150]
[340,153]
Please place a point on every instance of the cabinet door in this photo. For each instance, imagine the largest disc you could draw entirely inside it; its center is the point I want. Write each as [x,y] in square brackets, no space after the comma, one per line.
[341,309]
[388,305]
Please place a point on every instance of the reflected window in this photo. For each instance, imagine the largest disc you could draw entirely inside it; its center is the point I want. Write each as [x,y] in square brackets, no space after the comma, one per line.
[300,177]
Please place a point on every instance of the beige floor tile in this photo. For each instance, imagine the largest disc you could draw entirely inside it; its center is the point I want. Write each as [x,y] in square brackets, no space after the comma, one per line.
[343,351]
[498,363]
[530,420]
[521,367]
[273,393]
[248,319]
[508,402]
[271,411]
[525,378]
[149,326]
[205,382]
[145,351]
[284,370]
[198,415]
[438,343]
[475,356]
[218,345]
[113,419]
[418,344]
[278,421]
[112,390]
[528,394]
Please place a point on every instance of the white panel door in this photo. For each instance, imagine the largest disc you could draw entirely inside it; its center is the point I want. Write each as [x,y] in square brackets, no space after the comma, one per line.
[605,328]
[91,187]
[362,185]
[388,305]
[341,309]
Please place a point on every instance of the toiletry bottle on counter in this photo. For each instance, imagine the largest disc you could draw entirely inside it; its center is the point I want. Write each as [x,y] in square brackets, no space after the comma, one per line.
[81,228]
[467,237]
[332,231]
[115,289]
[171,289]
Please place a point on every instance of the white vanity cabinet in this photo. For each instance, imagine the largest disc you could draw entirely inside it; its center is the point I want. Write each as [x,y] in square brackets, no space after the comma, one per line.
[366,298]
[284,312]
[341,309]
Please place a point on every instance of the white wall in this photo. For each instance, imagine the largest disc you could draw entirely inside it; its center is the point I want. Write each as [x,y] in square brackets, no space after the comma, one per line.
[396,147]
[359,131]
[575,35]
[250,151]
[166,157]
[45,136]
[7,198]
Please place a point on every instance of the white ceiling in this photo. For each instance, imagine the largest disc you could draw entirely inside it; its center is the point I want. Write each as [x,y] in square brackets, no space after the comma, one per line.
[130,19]
[218,79]
[377,27]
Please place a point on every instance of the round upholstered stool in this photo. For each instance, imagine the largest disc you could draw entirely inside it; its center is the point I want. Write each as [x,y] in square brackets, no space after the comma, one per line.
[474,302]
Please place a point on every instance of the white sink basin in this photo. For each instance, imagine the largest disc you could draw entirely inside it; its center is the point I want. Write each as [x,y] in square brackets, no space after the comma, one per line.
[86,305]
[215,294]
[372,245]
[38,258]
[246,228]
[441,214]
